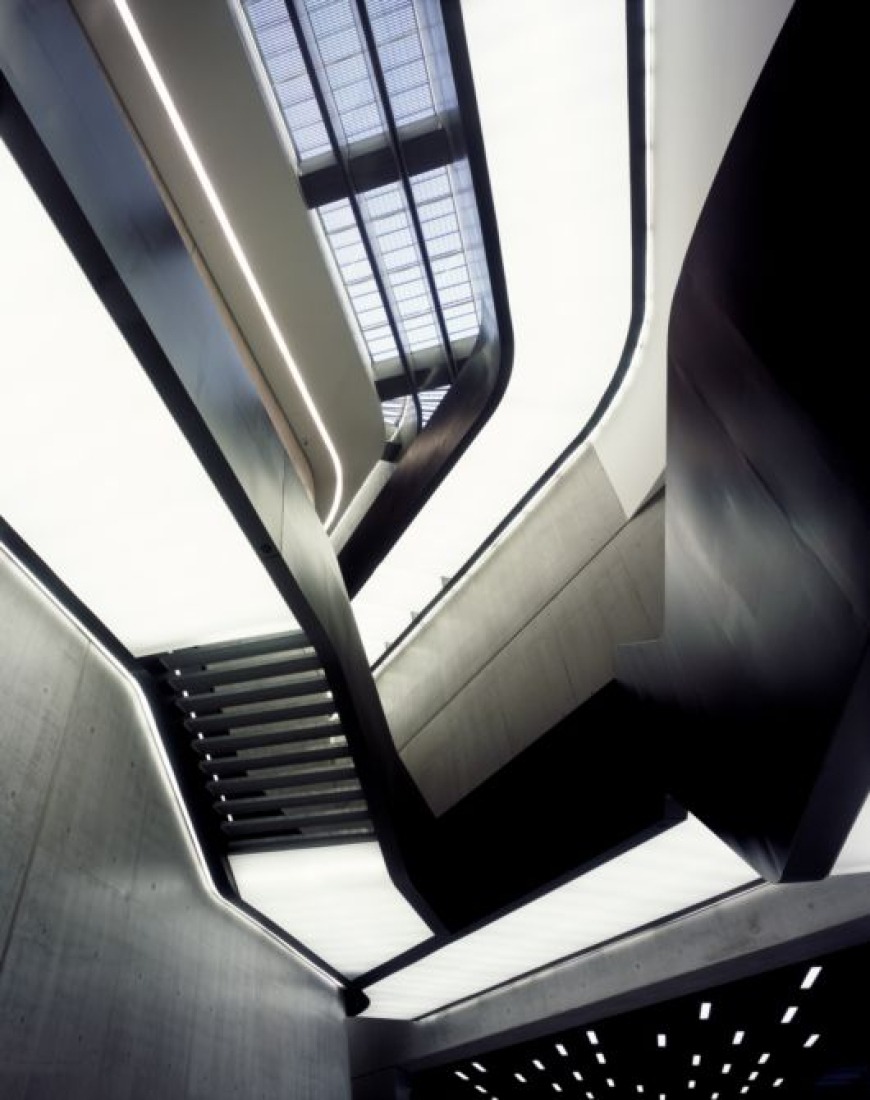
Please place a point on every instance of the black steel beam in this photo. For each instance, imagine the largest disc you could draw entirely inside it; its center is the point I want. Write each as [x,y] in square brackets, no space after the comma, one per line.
[405,180]
[376,167]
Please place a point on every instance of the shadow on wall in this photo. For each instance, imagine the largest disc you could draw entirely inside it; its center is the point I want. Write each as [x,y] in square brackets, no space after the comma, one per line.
[120,973]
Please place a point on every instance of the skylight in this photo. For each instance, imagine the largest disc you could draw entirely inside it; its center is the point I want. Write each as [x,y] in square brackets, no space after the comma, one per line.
[397,245]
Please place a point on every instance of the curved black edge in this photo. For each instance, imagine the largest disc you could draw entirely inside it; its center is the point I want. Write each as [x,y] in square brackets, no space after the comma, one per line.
[588,790]
[483,379]
[204,823]
[761,679]
[241,454]
[637,142]
[117,227]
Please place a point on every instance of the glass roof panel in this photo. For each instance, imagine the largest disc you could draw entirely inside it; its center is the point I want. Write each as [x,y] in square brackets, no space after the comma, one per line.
[336,42]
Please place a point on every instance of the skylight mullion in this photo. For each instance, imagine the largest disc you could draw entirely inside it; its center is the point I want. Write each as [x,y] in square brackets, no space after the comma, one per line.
[400,51]
[341,238]
[374,329]
[355,99]
[334,21]
[453,295]
[381,352]
[348,73]
[293,90]
[439,245]
[383,59]
[367,301]
[416,291]
[304,113]
[383,201]
[272,40]
[433,209]
[460,279]
[395,240]
[400,14]
[408,78]
[439,226]
[390,223]
[451,261]
[276,17]
[431,185]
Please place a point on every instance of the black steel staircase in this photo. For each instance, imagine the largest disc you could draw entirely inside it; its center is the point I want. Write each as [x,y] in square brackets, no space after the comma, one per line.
[267,742]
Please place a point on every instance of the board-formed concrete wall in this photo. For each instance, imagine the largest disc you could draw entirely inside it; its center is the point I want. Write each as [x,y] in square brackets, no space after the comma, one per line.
[120,974]
[531,636]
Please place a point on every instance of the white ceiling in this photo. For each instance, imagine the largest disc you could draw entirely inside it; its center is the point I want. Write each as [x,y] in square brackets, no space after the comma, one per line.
[97,477]
[552,95]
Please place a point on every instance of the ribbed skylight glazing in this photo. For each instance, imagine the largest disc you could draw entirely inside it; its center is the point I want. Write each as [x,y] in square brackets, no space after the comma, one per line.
[282,60]
[348,250]
[433,193]
[408,302]
[395,409]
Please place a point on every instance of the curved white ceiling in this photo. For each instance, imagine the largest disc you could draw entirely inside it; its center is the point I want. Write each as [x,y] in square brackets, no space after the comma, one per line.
[97,476]
[551,87]
[551,90]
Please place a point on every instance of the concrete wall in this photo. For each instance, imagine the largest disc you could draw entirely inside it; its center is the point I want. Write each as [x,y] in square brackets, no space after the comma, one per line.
[764,928]
[120,975]
[529,637]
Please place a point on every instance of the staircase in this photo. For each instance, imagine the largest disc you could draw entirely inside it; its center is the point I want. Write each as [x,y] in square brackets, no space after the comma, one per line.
[267,742]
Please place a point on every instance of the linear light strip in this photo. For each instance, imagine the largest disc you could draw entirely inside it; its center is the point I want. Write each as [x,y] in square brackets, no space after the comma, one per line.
[232,240]
[165,771]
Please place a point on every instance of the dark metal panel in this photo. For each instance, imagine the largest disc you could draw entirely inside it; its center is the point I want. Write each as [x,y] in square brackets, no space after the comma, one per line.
[371,168]
[767,574]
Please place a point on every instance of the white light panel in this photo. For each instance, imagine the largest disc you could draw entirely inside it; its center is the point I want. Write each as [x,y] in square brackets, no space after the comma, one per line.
[338,900]
[682,867]
[97,477]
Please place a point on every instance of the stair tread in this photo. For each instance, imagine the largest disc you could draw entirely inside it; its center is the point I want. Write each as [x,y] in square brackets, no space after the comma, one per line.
[192,656]
[239,765]
[288,800]
[193,679]
[281,823]
[250,695]
[355,834]
[300,777]
[259,717]
[235,742]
